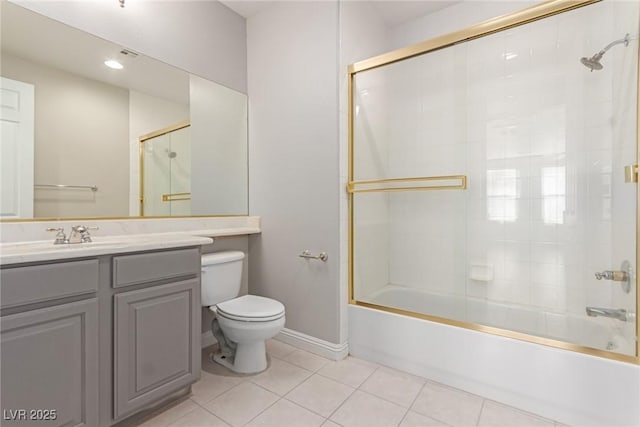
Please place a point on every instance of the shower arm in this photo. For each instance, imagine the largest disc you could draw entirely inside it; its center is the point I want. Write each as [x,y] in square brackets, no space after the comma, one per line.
[624,40]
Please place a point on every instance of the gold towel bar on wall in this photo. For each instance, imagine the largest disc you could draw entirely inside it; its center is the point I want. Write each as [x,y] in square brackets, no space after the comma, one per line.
[77,187]
[459,184]
[176,197]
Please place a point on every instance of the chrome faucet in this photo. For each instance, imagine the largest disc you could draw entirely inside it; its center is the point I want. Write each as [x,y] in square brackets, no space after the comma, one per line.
[80,234]
[619,313]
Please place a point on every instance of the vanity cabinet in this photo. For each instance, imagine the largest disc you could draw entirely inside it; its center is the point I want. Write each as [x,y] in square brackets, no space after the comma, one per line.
[91,342]
[49,346]
[156,327]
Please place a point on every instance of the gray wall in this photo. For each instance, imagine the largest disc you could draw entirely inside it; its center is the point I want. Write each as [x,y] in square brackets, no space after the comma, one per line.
[293,156]
[202,37]
[81,133]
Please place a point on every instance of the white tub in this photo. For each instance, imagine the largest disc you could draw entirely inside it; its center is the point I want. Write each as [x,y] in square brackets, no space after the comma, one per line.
[571,387]
[595,332]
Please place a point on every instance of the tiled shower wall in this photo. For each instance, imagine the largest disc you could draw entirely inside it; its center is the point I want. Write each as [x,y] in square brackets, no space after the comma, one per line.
[543,142]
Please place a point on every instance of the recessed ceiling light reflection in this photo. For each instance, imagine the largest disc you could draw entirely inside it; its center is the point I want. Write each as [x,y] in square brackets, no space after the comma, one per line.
[113,64]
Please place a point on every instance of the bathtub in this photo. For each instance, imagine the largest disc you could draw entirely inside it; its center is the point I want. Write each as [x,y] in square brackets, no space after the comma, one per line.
[571,387]
[600,333]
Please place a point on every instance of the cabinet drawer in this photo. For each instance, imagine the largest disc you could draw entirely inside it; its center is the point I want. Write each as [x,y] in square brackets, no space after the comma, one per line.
[26,285]
[141,268]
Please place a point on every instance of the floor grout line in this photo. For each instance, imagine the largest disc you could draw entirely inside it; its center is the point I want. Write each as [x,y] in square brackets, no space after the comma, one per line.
[215,415]
[306,409]
[217,395]
[480,413]
[263,411]
[412,402]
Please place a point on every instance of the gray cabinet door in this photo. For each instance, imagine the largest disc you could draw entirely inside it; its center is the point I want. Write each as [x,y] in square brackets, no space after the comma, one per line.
[49,366]
[156,341]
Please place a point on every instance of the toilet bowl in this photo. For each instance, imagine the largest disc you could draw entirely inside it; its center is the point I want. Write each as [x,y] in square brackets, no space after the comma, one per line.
[241,325]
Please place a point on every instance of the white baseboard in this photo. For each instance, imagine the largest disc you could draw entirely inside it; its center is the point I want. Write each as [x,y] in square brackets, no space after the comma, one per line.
[313,345]
[207,339]
[298,339]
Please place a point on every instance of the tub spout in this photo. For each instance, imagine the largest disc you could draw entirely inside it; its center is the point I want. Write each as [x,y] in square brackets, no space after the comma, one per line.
[619,313]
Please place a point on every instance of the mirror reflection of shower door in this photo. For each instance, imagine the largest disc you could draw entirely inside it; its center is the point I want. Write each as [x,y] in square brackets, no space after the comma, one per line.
[179,196]
[166,172]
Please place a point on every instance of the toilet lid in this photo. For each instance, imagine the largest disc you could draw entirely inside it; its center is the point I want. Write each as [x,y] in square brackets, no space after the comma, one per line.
[251,308]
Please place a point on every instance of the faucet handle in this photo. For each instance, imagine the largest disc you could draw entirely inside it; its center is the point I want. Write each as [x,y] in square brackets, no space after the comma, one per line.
[616,276]
[84,232]
[86,237]
[624,275]
[83,228]
[61,238]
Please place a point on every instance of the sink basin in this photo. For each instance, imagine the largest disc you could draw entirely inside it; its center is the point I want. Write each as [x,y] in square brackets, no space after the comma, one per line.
[46,246]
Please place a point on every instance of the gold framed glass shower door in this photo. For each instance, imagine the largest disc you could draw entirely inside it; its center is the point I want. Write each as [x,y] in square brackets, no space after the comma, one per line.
[165,172]
[506,112]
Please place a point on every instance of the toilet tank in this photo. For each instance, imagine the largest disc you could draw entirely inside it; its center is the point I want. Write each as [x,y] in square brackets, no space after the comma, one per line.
[221,276]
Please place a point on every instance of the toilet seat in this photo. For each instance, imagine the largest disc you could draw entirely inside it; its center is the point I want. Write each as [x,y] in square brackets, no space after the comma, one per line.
[250,308]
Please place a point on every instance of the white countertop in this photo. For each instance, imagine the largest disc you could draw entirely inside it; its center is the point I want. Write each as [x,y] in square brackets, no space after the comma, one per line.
[29,241]
[45,250]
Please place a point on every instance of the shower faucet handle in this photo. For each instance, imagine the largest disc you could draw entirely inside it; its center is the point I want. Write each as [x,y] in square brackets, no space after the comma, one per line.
[616,276]
[624,276]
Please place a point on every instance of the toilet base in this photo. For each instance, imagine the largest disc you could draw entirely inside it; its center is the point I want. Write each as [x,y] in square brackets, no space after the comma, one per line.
[249,358]
[221,359]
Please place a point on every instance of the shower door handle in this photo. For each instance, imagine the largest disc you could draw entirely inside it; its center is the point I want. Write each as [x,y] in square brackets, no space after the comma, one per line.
[176,197]
[631,174]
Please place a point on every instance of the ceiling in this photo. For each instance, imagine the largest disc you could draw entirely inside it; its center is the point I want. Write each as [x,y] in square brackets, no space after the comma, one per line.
[392,12]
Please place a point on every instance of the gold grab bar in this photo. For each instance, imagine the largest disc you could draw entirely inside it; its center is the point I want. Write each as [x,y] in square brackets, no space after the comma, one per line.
[460,185]
[176,197]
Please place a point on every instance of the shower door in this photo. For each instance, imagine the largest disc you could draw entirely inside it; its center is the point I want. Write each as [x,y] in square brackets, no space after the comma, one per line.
[166,172]
[492,181]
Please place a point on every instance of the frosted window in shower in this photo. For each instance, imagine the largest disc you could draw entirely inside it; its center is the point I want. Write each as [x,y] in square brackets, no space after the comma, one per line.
[553,194]
[502,192]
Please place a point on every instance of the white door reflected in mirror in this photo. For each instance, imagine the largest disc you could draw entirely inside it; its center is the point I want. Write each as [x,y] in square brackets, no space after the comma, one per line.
[16,149]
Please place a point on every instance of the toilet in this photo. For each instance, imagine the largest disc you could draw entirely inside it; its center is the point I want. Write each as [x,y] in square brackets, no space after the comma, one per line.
[241,325]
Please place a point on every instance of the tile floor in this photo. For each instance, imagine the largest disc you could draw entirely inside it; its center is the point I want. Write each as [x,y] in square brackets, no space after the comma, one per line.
[301,389]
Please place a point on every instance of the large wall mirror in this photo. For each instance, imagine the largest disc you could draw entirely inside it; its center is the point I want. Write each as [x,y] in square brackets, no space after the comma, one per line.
[82,140]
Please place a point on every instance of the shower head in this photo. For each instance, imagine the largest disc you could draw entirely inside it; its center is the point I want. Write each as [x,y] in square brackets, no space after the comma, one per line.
[593,63]
[170,154]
